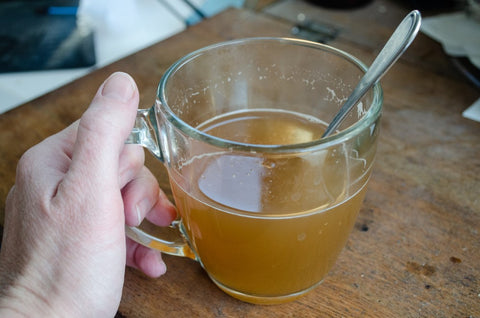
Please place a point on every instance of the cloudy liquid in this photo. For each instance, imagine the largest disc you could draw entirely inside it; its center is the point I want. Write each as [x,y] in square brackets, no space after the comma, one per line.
[267,228]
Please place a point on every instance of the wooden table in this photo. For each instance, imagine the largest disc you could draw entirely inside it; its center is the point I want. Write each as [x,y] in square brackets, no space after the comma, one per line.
[415,247]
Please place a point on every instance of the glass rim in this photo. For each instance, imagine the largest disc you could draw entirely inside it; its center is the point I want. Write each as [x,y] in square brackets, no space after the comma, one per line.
[369,118]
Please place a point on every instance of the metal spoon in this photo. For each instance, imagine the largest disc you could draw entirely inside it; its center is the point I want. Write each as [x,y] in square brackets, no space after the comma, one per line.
[396,45]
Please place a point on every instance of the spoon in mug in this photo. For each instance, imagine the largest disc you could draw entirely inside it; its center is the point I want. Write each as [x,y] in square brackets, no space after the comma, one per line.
[393,49]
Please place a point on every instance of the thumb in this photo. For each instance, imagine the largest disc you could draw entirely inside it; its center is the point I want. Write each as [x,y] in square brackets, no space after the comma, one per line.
[103,129]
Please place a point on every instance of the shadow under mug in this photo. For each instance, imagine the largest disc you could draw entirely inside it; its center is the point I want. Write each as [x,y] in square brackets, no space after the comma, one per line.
[265,205]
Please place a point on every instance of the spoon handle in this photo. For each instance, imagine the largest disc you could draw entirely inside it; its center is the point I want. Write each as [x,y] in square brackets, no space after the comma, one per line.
[393,49]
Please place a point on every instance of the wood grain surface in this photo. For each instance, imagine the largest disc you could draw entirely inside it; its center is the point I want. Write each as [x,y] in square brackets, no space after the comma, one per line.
[414,251]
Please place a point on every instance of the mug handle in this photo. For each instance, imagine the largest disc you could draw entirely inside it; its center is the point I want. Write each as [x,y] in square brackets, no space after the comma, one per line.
[170,239]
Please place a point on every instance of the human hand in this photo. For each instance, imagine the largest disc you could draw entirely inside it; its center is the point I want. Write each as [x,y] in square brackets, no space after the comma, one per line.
[64,249]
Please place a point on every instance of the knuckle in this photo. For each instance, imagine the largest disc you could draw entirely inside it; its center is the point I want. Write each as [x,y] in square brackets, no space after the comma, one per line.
[134,156]
[26,163]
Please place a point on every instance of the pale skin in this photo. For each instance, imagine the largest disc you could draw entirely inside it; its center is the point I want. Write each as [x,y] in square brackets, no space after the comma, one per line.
[64,249]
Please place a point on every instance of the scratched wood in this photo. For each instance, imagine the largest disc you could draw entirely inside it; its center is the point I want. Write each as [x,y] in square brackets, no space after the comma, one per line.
[414,249]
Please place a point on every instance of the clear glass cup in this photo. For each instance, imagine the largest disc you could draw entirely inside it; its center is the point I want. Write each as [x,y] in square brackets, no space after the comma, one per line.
[265,205]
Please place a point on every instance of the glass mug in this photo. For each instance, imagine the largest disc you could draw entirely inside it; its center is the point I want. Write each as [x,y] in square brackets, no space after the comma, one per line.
[265,205]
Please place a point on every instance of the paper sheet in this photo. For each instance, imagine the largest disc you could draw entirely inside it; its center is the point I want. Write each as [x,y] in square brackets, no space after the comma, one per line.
[460,36]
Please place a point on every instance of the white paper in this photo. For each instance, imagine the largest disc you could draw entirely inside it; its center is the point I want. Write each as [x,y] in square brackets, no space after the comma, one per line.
[473,112]
[458,34]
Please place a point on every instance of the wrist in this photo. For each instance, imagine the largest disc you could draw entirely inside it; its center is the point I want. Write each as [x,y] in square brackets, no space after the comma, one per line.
[18,299]
[44,286]
[27,291]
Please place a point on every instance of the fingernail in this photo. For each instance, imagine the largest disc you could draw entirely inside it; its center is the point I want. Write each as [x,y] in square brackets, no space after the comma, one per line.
[163,268]
[138,216]
[119,86]
[142,208]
